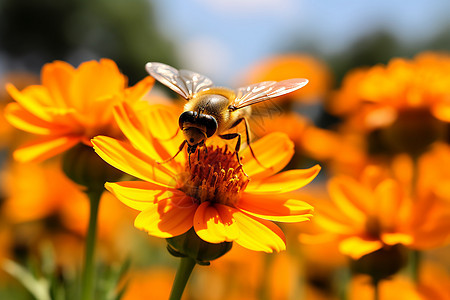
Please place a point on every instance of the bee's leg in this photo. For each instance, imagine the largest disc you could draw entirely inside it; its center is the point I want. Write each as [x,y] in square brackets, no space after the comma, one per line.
[231,136]
[247,135]
[178,152]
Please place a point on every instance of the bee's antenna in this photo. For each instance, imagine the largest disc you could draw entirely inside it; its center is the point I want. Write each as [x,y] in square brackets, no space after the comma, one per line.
[178,152]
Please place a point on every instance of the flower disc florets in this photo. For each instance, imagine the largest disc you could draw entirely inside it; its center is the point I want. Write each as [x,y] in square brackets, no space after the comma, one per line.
[214,175]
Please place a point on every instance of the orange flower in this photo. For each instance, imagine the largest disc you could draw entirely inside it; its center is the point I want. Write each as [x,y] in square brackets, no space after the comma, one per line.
[70,106]
[376,97]
[295,66]
[210,193]
[380,211]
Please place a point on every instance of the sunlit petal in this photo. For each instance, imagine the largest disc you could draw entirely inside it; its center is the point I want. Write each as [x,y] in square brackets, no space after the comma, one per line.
[129,160]
[283,182]
[140,195]
[276,209]
[167,218]
[356,247]
[258,234]
[214,223]
[273,151]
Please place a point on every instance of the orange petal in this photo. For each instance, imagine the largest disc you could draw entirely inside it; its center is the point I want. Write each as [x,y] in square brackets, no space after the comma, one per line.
[273,151]
[139,90]
[108,82]
[124,157]
[441,111]
[45,148]
[57,77]
[275,209]
[138,133]
[167,218]
[214,223]
[24,120]
[259,235]
[140,195]
[334,226]
[283,182]
[356,247]
[350,196]
[34,99]
[389,196]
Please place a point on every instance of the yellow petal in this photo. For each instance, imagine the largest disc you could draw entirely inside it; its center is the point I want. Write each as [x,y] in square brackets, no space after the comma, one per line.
[57,77]
[275,209]
[124,157]
[273,151]
[140,195]
[356,247]
[214,223]
[283,182]
[45,148]
[34,99]
[259,235]
[396,238]
[167,218]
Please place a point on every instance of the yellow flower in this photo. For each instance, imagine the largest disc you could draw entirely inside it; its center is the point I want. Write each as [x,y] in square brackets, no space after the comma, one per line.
[379,211]
[210,193]
[293,65]
[70,106]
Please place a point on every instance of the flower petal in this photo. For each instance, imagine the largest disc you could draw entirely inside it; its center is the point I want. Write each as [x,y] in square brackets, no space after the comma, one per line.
[140,195]
[124,157]
[397,238]
[356,247]
[275,208]
[259,235]
[140,89]
[33,98]
[214,223]
[273,151]
[350,196]
[24,120]
[283,182]
[57,77]
[167,218]
[45,148]
[137,129]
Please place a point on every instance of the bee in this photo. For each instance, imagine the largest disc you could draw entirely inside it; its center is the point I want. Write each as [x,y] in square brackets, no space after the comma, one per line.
[213,111]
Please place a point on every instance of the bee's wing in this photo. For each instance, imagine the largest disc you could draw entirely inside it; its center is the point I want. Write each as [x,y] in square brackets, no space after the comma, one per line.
[183,82]
[266,90]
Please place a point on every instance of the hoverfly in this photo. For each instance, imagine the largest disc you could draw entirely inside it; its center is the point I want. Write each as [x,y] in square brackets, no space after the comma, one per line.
[212,110]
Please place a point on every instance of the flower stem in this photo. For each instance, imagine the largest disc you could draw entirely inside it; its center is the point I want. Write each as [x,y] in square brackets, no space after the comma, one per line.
[376,289]
[185,268]
[89,269]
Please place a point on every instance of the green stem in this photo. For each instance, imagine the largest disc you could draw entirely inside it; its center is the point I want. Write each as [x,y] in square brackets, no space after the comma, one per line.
[89,269]
[415,264]
[185,268]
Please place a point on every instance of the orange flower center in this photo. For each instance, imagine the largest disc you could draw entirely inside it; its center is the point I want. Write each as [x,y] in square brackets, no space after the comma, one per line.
[214,175]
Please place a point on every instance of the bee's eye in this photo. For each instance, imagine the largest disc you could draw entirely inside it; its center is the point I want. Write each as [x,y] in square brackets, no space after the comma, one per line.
[210,123]
[187,116]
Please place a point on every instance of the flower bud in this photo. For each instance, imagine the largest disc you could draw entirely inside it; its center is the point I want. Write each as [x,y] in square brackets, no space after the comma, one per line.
[189,244]
[84,167]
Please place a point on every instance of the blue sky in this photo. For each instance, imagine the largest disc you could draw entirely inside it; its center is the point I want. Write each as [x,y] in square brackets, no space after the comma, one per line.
[221,38]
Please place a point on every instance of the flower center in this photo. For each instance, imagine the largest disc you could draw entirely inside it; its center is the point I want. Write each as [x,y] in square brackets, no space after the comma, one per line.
[214,175]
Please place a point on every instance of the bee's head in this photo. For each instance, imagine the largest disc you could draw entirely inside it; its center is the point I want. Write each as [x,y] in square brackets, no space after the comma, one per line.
[197,127]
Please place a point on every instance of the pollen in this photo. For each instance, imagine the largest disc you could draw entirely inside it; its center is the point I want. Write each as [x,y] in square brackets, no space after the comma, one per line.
[214,175]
